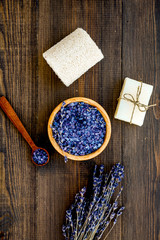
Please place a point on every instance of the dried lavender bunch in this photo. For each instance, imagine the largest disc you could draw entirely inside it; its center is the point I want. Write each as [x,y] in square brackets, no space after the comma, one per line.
[88,218]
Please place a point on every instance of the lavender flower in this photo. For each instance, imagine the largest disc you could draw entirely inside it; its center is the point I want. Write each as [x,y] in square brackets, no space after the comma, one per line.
[88,218]
[79,129]
[40,156]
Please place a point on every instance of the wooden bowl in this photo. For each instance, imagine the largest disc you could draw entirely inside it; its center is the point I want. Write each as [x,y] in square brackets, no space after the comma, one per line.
[107,136]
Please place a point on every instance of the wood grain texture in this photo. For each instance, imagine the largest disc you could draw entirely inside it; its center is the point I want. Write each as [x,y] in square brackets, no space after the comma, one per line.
[33,200]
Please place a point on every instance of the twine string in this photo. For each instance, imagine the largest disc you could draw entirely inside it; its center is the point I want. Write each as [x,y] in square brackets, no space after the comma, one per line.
[141,107]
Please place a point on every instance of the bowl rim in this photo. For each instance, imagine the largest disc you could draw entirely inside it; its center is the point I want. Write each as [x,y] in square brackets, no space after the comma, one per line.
[107,136]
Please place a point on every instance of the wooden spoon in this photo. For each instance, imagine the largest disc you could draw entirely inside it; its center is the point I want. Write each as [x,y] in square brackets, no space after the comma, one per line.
[7,108]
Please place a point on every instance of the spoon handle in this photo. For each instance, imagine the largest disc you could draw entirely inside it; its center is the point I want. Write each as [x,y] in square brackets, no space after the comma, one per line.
[7,108]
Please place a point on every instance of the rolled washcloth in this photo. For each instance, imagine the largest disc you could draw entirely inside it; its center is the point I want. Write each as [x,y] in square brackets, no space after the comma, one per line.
[73,56]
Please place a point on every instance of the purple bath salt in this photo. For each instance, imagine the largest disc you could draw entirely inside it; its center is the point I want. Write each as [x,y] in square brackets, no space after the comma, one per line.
[79,128]
[40,156]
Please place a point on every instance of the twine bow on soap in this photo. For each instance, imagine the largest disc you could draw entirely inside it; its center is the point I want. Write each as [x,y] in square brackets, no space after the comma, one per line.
[141,107]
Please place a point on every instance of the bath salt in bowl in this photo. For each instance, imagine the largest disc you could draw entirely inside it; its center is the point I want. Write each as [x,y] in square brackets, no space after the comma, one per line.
[79,128]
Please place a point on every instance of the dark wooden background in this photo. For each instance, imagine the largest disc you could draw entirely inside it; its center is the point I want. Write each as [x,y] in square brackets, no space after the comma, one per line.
[33,200]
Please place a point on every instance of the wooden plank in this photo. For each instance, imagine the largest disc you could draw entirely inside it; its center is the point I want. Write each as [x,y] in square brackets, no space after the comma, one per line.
[62,181]
[139,145]
[36,198]
[17,84]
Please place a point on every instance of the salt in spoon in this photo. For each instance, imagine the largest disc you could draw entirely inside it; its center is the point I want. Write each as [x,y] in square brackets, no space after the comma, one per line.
[37,153]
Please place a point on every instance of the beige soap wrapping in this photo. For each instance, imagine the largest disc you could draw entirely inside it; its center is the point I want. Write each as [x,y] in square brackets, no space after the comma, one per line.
[133,101]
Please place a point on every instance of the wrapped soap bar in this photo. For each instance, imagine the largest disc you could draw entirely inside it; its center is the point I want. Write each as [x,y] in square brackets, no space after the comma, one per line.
[133,101]
[73,56]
